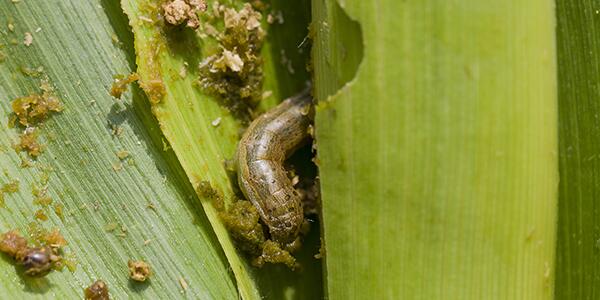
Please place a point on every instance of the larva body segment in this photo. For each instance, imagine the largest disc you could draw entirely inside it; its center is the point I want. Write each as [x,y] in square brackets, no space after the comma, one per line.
[265,145]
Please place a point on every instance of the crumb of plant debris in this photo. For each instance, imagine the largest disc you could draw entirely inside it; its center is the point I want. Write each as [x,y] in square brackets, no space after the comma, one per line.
[246,18]
[116,130]
[43,200]
[266,94]
[28,142]
[242,222]
[228,60]
[272,253]
[46,170]
[36,232]
[111,227]
[54,239]
[183,71]
[35,108]
[183,283]
[25,162]
[122,154]
[40,195]
[277,17]
[43,237]
[28,40]
[311,132]
[31,72]
[205,190]
[116,41]
[10,187]
[97,291]
[138,270]
[321,253]
[121,83]
[151,206]
[117,166]
[155,89]
[235,72]
[12,242]
[216,122]
[40,215]
[184,11]
[58,210]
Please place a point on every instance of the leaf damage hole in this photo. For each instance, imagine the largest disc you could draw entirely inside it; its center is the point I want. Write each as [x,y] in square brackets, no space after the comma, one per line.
[339,41]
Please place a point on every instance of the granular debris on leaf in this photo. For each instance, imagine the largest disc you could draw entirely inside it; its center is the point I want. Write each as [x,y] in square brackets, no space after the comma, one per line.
[97,291]
[178,12]
[37,260]
[139,270]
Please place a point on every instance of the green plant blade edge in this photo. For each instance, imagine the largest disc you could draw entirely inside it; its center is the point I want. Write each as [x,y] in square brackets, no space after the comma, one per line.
[578,263]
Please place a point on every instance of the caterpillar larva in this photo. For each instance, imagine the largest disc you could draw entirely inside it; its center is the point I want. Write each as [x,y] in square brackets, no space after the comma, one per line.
[265,145]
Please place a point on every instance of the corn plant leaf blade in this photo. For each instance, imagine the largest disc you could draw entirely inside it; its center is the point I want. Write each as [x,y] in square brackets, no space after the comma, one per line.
[438,159]
[577,265]
[186,114]
[81,45]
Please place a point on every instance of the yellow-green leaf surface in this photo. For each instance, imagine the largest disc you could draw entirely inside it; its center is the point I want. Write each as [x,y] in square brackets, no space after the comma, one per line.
[185,114]
[578,246]
[80,46]
[438,158]
[185,119]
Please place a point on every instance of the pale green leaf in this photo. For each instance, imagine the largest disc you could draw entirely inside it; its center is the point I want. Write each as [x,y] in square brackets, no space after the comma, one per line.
[80,45]
[438,159]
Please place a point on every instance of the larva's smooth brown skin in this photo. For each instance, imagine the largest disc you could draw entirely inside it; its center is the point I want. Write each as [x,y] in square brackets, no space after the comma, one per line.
[265,145]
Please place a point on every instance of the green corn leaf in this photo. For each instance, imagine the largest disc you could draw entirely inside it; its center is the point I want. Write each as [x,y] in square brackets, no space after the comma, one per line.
[81,45]
[437,147]
[441,130]
[186,114]
[577,264]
